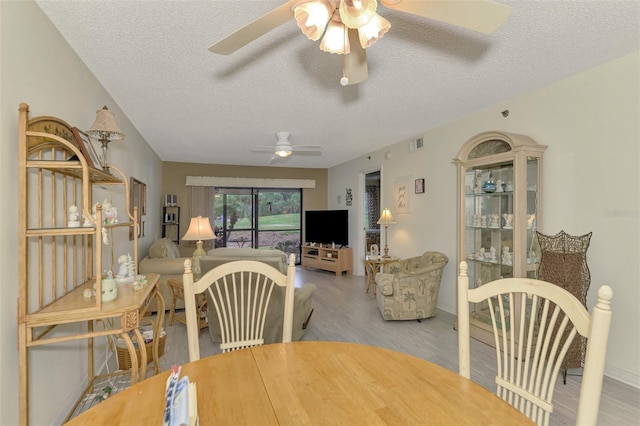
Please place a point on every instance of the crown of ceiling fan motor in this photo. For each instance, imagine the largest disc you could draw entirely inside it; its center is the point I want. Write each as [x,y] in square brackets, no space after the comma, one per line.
[283,146]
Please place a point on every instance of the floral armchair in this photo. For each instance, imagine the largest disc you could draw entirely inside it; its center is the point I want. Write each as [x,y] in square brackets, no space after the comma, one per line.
[407,289]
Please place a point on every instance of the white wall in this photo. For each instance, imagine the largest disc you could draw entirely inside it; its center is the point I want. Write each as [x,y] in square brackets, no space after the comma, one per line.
[39,68]
[591,183]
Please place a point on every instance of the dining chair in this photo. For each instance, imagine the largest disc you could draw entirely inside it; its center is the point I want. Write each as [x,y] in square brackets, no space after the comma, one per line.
[540,321]
[241,292]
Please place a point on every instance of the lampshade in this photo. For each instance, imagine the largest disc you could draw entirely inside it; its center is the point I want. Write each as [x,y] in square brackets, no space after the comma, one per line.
[356,13]
[199,229]
[105,126]
[335,39]
[386,218]
[312,17]
[373,30]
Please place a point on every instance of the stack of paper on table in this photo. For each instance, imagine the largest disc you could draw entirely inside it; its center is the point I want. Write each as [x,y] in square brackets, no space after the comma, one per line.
[181,401]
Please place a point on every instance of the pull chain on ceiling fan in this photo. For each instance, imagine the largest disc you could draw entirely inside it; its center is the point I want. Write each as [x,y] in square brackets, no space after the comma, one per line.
[348,27]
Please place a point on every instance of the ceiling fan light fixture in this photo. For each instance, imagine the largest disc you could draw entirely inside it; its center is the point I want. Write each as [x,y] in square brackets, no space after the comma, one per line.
[356,13]
[283,152]
[373,30]
[335,39]
[312,17]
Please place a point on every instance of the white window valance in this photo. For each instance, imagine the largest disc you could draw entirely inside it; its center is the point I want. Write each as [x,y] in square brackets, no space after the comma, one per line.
[239,182]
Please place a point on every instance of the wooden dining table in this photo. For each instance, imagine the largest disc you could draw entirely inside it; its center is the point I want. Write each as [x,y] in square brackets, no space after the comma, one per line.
[314,383]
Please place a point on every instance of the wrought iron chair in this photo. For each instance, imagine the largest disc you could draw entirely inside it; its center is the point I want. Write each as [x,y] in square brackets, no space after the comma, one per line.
[241,292]
[534,323]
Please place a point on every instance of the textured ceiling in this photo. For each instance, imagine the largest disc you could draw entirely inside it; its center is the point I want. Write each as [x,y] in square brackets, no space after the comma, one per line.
[194,106]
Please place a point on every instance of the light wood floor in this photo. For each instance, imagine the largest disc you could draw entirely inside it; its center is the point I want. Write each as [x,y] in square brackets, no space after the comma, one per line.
[344,312]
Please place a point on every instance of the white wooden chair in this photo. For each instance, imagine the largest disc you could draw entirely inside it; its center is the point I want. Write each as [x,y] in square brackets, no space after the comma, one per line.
[530,352]
[241,292]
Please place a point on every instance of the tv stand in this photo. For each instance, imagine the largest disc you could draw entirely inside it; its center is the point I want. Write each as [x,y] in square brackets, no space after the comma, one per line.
[336,260]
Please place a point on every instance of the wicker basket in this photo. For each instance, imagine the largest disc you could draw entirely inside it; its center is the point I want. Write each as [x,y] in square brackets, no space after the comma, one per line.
[124,358]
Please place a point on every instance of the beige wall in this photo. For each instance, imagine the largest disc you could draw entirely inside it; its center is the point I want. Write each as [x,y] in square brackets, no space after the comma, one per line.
[174,176]
[38,67]
[591,183]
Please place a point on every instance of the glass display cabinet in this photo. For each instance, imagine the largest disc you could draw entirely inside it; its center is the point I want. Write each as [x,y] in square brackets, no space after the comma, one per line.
[499,210]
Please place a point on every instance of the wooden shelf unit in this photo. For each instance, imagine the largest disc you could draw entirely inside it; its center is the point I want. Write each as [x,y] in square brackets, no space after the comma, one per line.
[171,223]
[336,260]
[56,262]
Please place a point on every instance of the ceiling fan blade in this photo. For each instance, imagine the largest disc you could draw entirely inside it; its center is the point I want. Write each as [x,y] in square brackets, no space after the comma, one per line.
[306,148]
[478,15]
[262,148]
[255,29]
[354,64]
[306,153]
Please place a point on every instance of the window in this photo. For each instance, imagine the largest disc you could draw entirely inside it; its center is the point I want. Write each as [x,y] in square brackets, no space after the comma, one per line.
[259,218]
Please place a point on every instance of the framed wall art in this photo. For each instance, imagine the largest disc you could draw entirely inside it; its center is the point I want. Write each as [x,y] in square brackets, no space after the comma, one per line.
[419,186]
[138,198]
[402,194]
[85,146]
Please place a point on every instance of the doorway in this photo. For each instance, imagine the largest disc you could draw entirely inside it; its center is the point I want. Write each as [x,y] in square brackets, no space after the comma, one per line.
[371,210]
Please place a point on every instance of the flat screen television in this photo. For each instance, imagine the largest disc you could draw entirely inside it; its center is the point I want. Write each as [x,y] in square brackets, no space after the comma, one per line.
[326,227]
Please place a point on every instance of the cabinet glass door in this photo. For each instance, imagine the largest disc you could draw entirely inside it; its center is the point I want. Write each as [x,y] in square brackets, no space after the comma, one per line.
[489,215]
[499,211]
[533,248]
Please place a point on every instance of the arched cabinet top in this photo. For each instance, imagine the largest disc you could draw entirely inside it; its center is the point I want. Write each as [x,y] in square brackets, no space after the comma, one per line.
[493,143]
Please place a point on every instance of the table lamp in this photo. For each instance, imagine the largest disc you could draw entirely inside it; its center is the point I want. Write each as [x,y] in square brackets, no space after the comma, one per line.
[386,219]
[199,229]
[106,129]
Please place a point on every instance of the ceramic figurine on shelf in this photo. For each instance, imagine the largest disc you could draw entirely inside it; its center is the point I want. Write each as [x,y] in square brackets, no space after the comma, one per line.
[480,254]
[508,220]
[506,256]
[109,213]
[86,222]
[126,271]
[531,221]
[131,266]
[73,221]
[499,187]
[492,254]
[477,183]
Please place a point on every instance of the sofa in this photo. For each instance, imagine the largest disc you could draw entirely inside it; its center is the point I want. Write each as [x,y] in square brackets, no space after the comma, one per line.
[408,289]
[167,259]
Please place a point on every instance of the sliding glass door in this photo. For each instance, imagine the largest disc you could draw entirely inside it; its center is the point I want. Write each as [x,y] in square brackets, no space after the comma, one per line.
[259,218]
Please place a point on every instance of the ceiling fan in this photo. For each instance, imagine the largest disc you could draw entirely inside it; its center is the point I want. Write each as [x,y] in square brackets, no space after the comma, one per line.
[351,26]
[283,148]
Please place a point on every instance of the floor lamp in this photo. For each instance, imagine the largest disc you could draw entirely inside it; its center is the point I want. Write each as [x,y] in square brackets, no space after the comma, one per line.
[386,219]
[199,229]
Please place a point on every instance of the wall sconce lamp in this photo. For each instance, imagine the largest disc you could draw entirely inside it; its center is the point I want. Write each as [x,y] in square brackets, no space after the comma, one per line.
[386,219]
[199,229]
[106,130]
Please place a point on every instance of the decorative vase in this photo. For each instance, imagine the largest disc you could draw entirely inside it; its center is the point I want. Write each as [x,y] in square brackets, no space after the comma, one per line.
[109,289]
[489,186]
